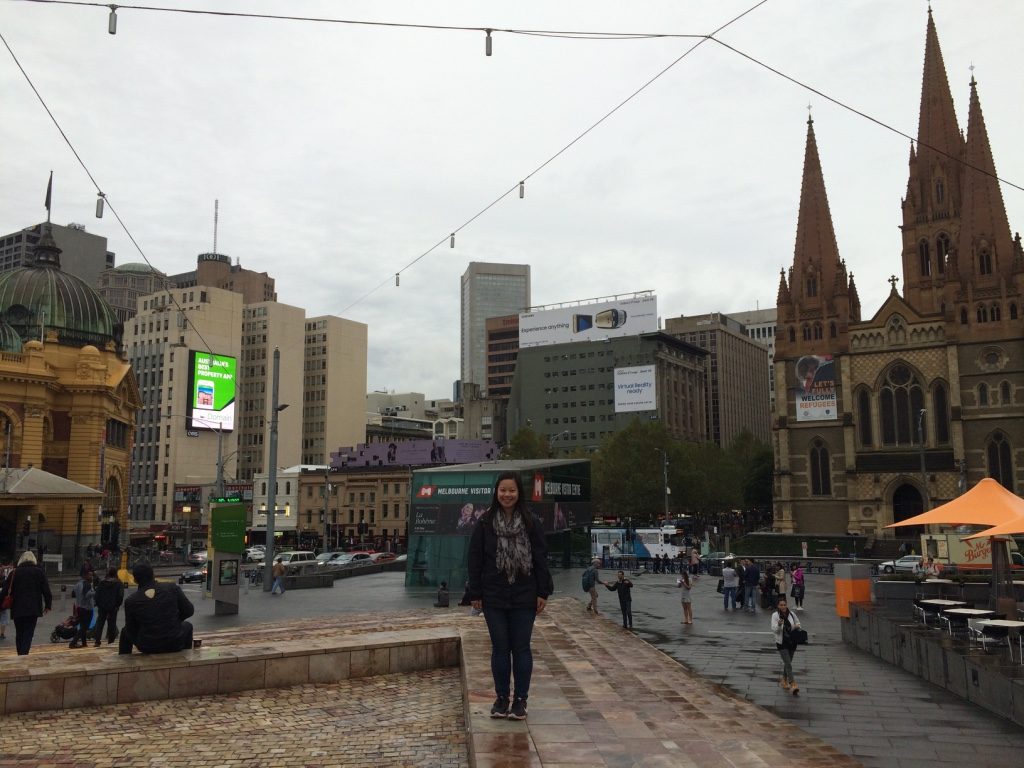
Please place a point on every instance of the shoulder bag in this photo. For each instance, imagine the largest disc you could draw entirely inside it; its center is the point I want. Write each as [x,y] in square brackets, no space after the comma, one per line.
[9,600]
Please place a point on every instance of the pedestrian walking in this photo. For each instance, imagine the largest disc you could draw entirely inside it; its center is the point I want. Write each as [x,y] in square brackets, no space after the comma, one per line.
[751,579]
[694,562]
[740,583]
[84,594]
[277,588]
[109,596]
[29,590]
[729,583]
[510,581]
[5,613]
[798,587]
[785,626]
[589,583]
[685,585]
[624,588]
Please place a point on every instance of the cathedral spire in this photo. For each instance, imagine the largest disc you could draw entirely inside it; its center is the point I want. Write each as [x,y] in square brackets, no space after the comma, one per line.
[816,254]
[937,128]
[985,243]
[783,297]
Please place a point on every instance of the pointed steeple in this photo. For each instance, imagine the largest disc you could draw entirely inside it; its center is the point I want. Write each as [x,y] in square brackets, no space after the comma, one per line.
[816,254]
[984,228]
[854,301]
[937,128]
[783,298]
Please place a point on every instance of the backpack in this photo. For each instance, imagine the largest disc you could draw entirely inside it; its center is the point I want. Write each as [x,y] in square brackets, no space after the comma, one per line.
[588,579]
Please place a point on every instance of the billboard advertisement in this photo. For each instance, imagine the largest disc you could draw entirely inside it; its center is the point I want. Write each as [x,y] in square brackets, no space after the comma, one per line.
[589,322]
[635,389]
[211,391]
[816,388]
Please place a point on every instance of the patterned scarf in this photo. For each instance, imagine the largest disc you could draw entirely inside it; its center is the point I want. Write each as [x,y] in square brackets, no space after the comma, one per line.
[514,553]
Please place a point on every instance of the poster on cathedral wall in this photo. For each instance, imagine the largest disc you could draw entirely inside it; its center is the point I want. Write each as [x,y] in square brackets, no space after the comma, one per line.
[816,388]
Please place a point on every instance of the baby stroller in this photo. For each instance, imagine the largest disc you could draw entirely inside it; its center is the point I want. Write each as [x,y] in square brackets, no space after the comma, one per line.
[66,629]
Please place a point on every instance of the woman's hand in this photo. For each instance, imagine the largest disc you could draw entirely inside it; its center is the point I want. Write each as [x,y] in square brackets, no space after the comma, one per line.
[477,604]
[541,602]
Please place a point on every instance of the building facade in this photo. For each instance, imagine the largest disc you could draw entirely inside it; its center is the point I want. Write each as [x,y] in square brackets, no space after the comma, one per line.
[123,286]
[737,375]
[68,400]
[488,290]
[166,450]
[879,418]
[567,391]
[760,325]
[82,253]
[334,386]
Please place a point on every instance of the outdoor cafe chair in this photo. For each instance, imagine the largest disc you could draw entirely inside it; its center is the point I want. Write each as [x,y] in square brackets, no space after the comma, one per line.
[980,637]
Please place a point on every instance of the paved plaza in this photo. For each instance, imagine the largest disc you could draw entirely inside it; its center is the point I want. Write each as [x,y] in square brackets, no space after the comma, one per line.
[862,707]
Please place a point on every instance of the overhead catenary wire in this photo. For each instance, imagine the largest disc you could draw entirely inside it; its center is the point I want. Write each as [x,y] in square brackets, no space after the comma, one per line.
[102,196]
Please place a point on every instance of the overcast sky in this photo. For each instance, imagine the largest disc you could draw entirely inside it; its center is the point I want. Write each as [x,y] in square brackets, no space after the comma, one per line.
[341,153]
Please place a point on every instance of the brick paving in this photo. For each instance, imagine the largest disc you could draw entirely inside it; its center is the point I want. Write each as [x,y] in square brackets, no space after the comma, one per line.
[390,720]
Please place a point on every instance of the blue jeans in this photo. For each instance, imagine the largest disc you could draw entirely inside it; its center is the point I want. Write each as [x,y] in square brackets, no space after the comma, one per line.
[750,597]
[278,584]
[510,632]
[729,596]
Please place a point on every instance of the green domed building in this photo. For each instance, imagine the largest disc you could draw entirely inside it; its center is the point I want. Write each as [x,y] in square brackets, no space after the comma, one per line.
[68,399]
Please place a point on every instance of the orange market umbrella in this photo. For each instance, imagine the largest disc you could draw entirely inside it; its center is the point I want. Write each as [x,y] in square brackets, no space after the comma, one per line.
[988,503]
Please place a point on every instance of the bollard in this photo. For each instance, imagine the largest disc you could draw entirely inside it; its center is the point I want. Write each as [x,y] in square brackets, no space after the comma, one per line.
[853,585]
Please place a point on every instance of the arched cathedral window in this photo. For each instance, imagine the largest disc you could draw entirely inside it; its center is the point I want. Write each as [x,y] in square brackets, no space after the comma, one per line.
[900,401]
[1000,460]
[940,404]
[864,417]
[941,251]
[820,469]
[926,262]
[984,262]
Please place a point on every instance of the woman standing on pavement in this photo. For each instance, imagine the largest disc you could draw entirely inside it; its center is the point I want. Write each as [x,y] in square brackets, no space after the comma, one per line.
[685,585]
[509,580]
[784,626]
[30,591]
[798,587]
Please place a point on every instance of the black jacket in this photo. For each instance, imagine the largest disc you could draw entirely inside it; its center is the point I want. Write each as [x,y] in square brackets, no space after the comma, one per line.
[625,590]
[153,621]
[485,583]
[31,590]
[109,594]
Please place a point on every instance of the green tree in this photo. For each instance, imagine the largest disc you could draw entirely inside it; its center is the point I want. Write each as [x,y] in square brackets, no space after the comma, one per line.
[526,444]
[626,473]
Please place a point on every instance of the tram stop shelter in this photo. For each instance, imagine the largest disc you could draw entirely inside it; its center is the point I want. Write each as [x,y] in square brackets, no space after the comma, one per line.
[447,503]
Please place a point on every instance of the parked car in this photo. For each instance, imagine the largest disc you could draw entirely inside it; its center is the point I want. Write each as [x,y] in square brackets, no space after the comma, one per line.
[295,558]
[358,558]
[402,558]
[197,557]
[905,564]
[716,559]
[383,557]
[193,575]
[255,554]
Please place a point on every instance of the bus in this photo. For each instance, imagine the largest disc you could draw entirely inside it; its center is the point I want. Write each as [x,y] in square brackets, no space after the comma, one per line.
[673,539]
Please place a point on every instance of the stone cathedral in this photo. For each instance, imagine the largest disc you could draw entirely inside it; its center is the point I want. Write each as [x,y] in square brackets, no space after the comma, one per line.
[879,417]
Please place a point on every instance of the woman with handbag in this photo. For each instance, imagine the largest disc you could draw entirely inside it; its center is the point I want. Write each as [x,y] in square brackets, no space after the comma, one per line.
[27,594]
[787,631]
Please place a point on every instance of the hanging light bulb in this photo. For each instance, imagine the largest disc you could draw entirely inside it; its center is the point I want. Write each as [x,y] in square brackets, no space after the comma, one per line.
[99,205]
[396,279]
[522,189]
[112,21]
[451,243]
[488,42]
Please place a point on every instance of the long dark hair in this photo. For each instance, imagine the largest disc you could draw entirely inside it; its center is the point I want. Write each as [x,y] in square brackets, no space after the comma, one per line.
[520,502]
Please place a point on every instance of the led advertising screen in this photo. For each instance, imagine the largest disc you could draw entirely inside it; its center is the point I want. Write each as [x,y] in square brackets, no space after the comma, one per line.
[211,387]
[589,322]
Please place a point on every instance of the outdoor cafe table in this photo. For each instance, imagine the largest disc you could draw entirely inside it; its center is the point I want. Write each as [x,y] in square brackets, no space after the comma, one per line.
[938,581]
[970,613]
[1012,627]
[942,603]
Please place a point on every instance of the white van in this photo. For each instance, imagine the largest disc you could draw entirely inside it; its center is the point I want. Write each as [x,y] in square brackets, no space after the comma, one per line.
[295,557]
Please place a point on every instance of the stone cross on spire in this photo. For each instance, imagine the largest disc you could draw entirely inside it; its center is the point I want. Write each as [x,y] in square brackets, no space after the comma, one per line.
[892,281]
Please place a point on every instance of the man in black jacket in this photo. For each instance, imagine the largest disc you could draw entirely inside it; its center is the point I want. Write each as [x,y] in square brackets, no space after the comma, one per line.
[109,596]
[154,616]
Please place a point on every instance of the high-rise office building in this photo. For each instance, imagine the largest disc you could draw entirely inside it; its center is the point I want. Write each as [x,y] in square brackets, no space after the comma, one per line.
[488,290]
[167,449]
[334,387]
[123,286]
[83,254]
[216,269]
[266,325]
[760,325]
[737,375]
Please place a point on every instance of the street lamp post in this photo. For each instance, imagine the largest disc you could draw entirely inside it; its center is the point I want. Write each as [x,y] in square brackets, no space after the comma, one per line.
[664,467]
[924,472]
[551,451]
[327,497]
[275,409]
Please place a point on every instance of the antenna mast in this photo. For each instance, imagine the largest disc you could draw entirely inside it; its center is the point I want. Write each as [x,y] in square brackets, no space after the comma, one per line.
[216,219]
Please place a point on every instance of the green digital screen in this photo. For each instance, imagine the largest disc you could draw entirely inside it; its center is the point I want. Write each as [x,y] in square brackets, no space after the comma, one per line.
[211,403]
